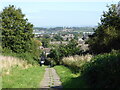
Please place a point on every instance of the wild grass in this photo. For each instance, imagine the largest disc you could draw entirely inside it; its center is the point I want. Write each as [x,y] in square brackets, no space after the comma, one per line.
[18,73]
[75,62]
[24,78]
[70,79]
[102,71]
[29,57]
[6,62]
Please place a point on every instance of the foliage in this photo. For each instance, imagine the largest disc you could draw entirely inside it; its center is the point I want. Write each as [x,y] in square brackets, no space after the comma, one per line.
[23,78]
[58,38]
[46,36]
[54,54]
[16,31]
[64,50]
[0,49]
[32,58]
[17,37]
[76,37]
[107,35]
[103,71]
[35,50]
[70,49]
[37,41]
[45,42]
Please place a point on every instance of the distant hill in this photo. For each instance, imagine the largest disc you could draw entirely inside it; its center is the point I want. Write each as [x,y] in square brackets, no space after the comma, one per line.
[59,29]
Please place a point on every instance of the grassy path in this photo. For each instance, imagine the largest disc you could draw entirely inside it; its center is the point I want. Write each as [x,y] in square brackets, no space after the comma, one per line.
[23,78]
[51,79]
[69,79]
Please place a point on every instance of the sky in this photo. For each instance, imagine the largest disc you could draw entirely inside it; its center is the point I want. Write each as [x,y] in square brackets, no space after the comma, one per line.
[53,13]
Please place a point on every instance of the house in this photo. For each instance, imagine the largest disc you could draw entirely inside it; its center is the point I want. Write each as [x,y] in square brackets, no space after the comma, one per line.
[59,42]
[68,37]
[81,41]
[86,35]
[46,51]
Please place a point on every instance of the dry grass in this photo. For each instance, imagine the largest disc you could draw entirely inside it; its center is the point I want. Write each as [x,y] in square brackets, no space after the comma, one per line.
[6,62]
[76,61]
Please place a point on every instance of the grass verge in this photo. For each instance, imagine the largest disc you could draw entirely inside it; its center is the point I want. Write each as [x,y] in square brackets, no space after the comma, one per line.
[69,79]
[23,78]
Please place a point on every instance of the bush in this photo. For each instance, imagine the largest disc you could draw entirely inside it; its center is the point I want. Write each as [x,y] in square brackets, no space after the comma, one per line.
[32,57]
[103,71]
[51,62]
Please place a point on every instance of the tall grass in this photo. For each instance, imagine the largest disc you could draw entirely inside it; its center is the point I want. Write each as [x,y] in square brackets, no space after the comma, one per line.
[29,57]
[18,73]
[6,62]
[75,62]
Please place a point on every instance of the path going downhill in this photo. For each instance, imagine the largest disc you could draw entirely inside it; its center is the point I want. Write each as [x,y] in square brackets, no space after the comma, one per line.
[51,79]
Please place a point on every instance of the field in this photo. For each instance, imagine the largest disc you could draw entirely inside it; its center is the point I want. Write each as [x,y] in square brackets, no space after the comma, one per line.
[17,73]
[23,78]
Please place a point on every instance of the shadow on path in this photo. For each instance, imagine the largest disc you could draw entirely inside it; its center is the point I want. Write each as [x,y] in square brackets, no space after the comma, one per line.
[76,82]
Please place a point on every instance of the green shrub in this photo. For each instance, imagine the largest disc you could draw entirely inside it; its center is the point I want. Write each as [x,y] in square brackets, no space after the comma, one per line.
[103,71]
[27,56]
[32,57]
[51,62]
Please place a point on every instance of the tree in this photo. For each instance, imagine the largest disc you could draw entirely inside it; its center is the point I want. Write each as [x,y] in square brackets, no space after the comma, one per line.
[65,50]
[16,30]
[46,36]
[76,37]
[107,35]
[55,55]
[58,38]
[45,42]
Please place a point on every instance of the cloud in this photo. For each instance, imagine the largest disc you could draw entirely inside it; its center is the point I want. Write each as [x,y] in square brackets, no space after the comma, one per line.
[59,0]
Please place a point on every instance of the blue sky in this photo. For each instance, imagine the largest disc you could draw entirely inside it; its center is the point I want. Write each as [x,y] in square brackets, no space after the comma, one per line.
[51,13]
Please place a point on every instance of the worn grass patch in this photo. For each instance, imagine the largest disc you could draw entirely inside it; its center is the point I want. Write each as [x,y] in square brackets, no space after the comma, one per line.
[23,78]
[69,79]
